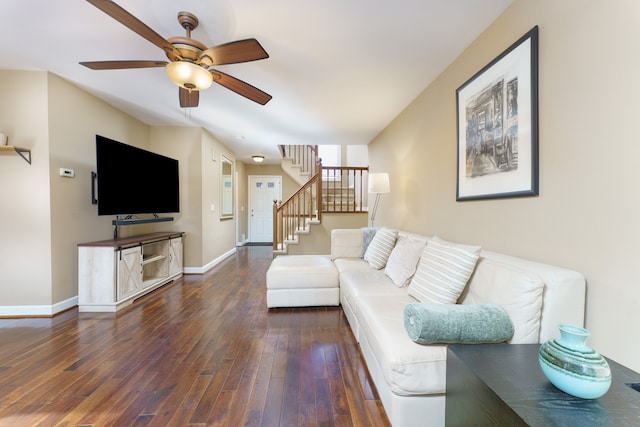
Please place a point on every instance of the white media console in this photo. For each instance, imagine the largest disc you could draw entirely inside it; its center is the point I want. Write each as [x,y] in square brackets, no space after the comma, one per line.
[112,273]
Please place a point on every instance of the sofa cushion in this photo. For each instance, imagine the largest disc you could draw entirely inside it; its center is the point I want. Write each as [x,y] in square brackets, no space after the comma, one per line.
[518,291]
[356,284]
[428,323]
[380,247]
[302,271]
[443,271]
[368,233]
[351,264]
[408,368]
[404,258]
[346,243]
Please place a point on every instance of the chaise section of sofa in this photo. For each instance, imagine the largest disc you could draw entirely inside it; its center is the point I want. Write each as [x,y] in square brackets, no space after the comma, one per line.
[411,377]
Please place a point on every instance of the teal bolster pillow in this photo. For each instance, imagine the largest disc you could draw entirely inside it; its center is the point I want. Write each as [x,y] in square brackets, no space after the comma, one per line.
[430,323]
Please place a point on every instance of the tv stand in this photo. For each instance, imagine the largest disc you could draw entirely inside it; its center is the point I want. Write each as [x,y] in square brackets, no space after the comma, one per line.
[113,273]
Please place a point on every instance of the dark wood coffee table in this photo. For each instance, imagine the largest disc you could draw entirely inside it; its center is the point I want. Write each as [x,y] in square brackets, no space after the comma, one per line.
[502,384]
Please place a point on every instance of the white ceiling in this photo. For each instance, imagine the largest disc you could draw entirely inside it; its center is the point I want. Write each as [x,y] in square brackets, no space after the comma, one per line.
[339,70]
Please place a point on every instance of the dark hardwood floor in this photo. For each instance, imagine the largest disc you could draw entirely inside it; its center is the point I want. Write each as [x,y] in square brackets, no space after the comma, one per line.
[203,350]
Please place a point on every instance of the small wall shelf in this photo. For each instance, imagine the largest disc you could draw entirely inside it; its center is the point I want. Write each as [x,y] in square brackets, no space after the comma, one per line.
[25,153]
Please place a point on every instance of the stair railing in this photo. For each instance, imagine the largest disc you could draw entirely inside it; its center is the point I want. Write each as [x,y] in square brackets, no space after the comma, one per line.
[339,189]
[295,213]
[344,189]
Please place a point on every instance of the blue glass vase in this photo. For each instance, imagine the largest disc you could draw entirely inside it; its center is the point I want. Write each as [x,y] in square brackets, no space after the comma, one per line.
[572,366]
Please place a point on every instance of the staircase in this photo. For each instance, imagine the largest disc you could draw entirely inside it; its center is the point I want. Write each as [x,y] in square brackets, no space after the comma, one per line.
[336,189]
[299,161]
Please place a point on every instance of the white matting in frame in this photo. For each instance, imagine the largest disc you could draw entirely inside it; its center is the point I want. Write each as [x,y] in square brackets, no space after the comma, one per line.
[497,126]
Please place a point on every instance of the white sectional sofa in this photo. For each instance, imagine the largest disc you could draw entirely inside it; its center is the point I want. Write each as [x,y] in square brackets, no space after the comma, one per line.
[411,377]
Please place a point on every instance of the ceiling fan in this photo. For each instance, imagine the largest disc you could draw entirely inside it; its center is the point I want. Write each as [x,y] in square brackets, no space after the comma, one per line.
[189,60]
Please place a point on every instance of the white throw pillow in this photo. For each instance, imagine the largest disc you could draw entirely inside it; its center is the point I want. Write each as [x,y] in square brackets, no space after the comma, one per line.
[518,291]
[380,248]
[403,261]
[443,271]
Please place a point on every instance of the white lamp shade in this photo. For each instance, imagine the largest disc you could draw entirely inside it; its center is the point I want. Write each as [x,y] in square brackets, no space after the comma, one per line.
[189,75]
[379,182]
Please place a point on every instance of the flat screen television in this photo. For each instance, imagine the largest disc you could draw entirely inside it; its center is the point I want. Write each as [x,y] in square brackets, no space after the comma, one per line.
[131,180]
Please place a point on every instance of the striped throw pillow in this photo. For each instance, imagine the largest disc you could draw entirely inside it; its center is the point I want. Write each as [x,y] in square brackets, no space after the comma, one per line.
[380,248]
[443,271]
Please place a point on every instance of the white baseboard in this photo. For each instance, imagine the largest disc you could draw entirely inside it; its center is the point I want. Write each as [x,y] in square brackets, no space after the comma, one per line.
[51,310]
[209,266]
[37,310]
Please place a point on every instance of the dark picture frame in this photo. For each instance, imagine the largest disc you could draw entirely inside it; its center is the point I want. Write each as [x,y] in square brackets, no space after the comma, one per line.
[497,126]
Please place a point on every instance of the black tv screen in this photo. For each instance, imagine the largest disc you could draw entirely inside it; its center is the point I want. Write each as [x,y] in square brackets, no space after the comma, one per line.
[131,180]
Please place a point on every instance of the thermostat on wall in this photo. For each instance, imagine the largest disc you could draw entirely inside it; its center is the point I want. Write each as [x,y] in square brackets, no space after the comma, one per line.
[69,173]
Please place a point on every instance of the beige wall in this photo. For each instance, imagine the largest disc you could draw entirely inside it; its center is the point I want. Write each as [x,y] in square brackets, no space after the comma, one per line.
[25,248]
[75,117]
[219,235]
[207,237]
[319,240]
[241,203]
[185,145]
[587,213]
[45,215]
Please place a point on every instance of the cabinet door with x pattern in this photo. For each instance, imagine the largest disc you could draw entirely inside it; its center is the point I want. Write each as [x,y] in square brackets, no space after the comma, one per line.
[129,271]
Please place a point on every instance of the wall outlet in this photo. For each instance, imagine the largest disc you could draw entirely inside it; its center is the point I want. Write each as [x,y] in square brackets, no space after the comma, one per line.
[213,207]
[67,173]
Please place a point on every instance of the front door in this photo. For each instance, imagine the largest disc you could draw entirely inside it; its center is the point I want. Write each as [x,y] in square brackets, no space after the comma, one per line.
[263,190]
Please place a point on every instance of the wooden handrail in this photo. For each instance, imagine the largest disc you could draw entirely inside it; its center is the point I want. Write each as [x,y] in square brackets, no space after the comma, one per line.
[306,186]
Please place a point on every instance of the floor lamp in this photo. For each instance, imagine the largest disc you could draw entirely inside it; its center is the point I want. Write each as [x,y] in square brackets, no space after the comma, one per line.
[378,184]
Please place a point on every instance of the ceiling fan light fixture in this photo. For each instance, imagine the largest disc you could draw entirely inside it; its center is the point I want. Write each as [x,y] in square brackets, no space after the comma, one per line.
[189,75]
[258,159]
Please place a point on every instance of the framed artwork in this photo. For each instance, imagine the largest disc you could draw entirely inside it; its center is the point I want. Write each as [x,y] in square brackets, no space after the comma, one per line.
[497,126]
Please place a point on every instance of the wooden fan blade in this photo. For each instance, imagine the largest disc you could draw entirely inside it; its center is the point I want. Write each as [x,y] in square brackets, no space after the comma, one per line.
[188,99]
[240,87]
[133,23]
[122,65]
[233,53]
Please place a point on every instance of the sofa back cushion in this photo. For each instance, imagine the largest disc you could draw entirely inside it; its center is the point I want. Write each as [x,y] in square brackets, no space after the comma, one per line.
[404,258]
[518,291]
[346,243]
[368,233]
[443,271]
[380,248]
